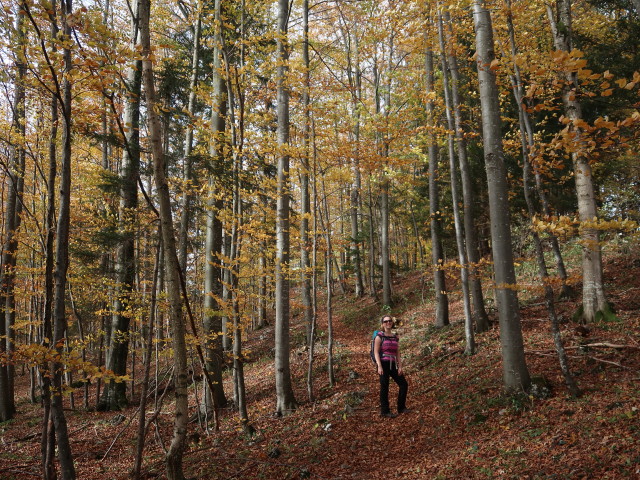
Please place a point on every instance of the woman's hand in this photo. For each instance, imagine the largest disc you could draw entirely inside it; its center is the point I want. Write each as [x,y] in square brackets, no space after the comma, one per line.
[399,370]
[380,371]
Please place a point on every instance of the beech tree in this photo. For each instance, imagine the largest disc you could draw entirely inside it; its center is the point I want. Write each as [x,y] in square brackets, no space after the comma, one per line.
[514,368]
[593,293]
[175,452]
[437,257]
[114,395]
[13,208]
[213,228]
[455,196]
[285,400]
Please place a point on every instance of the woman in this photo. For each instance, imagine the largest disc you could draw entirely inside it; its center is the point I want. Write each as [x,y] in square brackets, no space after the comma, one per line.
[387,355]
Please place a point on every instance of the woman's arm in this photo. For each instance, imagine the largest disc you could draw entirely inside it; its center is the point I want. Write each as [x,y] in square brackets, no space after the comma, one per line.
[376,352]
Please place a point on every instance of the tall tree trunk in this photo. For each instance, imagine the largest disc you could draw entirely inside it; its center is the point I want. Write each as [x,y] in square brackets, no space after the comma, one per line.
[47,441]
[314,277]
[187,196]
[481,318]
[384,244]
[238,358]
[142,424]
[514,367]
[354,75]
[372,244]
[437,258]
[114,396]
[285,400]
[385,184]
[326,226]
[172,269]
[67,469]
[12,210]
[526,174]
[212,272]
[593,294]
[305,203]
[455,196]
[235,243]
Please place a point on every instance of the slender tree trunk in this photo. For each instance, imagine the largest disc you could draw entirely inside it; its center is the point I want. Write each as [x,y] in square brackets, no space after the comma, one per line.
[172,269]
[67,469]
[238,358]
[385,184]
[305,203]
[593,294]
[515,372]
[372,245]
[142,424]
[47,440]
[471,239]
[437,258]
[518,91]
[455,195]
[314,277]
[329,280]
[285,400]
[354,75]
[187,196]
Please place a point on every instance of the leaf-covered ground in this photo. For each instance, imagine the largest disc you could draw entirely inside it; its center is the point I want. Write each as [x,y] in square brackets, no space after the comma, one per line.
[461,425]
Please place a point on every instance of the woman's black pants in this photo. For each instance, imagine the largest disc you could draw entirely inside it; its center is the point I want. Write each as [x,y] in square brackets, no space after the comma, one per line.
[392,371]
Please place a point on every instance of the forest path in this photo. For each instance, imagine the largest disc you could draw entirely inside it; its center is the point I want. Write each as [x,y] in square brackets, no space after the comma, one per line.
[366,445]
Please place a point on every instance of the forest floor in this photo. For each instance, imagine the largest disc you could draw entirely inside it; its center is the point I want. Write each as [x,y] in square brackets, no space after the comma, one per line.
[461,424]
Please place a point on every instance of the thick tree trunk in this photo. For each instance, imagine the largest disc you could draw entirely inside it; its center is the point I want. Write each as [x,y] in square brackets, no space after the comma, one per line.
[437,257]
[213,243]
[172,269]
[285,400]
[515,372]
[12,210]
[114,396]
[593,293]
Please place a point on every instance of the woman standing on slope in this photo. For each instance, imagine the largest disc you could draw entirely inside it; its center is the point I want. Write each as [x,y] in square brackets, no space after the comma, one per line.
[388,360]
